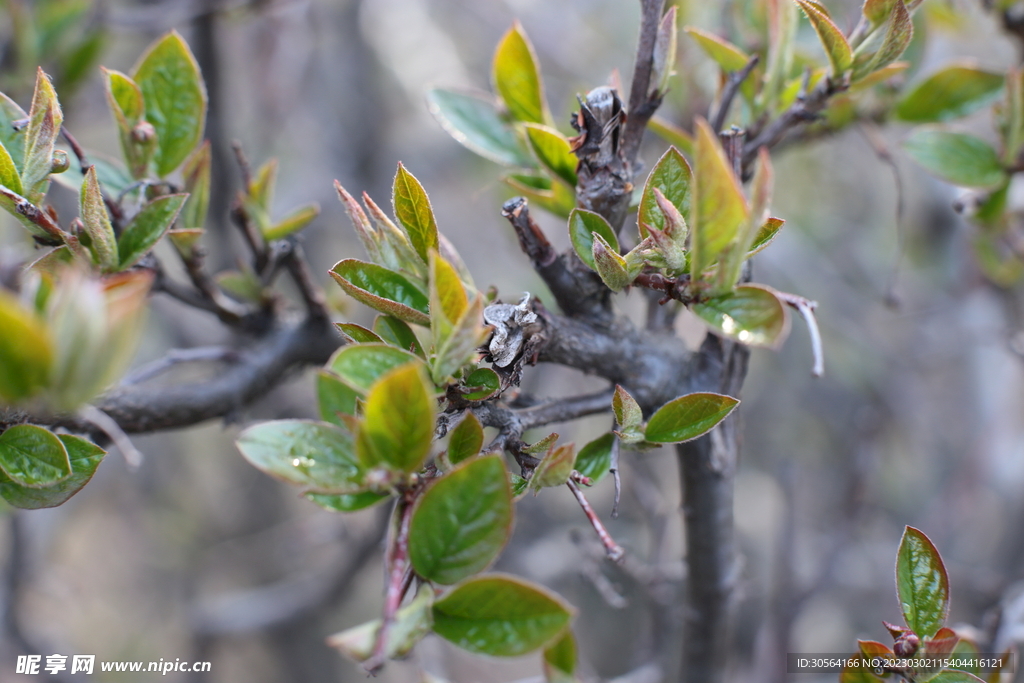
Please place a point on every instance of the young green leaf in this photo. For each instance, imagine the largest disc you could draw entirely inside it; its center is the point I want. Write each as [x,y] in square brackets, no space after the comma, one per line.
[688,417]
[346,502]
[33,456]
[361,365]
[554,468]
[26,351]
[175,99]
[750,314]
[12,136]
[627,410]
[460,525]
[840,56]
[484,383]
[148,226]
[517,78]
[500,615]
[950,93]
[730,265]
[475,123]
[671,175]
[460,348]
[126,103]
[466,439]
[84,457]
[719,206]
[951,676]
[729,57]
[185,239]
[357,334]
[672,134]
[382,290]
[613,269]
[560,657]
[595,458]
[782,24]
[292,223]
[318,456]
[921,584]
[395,250]
[398,425]
[663,60]
[897,37]
[97,222]
[878,11]
[44,122]
[766,234]
[958,158]
[413,211]
[397,333]
[334,398]
[410,625]
[9,176]
[582,226]
[448,300]
[553,150]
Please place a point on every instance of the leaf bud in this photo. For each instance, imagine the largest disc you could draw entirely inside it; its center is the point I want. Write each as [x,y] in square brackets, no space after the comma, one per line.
[59,162]
[906,645]
[143,132]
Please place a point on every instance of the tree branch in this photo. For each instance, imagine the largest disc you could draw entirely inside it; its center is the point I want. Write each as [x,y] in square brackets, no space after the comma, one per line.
[732,86]
[641,105]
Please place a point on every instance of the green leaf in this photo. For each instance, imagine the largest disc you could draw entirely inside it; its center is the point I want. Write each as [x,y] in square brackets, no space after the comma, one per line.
[582,226]
[12,137]
[185,239]
[485,383]
[951,676]
[26,351]
[688,417]
[44,122]
[475,123]
[175,99]
[840,56]
[460,348]
[382,290]
[613,269]
[397,333]
[33,456]
[357,334]
[671,175]
[519,485]
[9,176]
[466,439]
[554,468]
[500,615]
[878,11]
[725,54]
[124,96]
[84,457]
[360,366]
[318,456]
[957,158]
[898,35]
[97,222]
[672,134]
[448,300]
[292,223]
[413,211]
[346,502]
[627,410]
[719,206]
[553,150]
[750,314]
[334,398]
[411,624]
[595,458]
[921,584]
[517,78]
[560,659]
[460,525]
[766,235]
[967,652]
[148,226]
[950,93]
[398,425]
[663,60]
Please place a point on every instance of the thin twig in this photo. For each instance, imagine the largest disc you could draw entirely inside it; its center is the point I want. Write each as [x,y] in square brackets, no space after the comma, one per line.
[612,549]
[311,293]
[176,357]
[732,86]
[641,105]
[399,580]
[806,308]
[108,426]
[614,469]
[76,149]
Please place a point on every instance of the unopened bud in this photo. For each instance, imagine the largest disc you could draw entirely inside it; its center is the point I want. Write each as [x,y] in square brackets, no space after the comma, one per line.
[906,645]
[143,132]
[59,163]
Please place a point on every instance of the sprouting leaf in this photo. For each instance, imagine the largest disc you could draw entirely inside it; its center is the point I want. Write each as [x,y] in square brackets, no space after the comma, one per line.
[395,250]
[950,93]
[484,382]
[411,624]
[725,54]
[460,347]
[9,176]
[720,208]
[921,584]
[361,365]
[97,222]
[148,226]
[750,314]
[671,175]
[124,96]
[554,468]
[460,525]
[672,134]
[413,211]
[397,333]
[475,123]
[448,300]
[33,456]
[84,457]
[840,56]
[765,235]
[613,269]
[553,150]
[185,239]
[582,226]
[175,99]
[517,78]
[897,37]
[519,485]
[500,615]
[346,502]
[595,458]
[958,158]
[293,222]
[26,351]
[688,417]
[44,121]
[357,334]
[398,425]
[627,410]
[782,23]
[878,11]
[730,265]
[382,290]
[466,439]
[334,398]
[560,657]
[318,456]
[663,60]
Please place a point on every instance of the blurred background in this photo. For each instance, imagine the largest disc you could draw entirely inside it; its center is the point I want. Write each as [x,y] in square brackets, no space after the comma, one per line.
[198,556]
